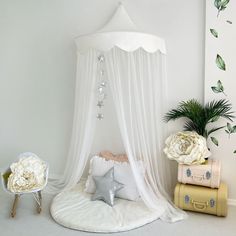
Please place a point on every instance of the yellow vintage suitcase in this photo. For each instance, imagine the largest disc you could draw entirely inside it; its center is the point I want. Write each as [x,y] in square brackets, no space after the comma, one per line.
[202,199]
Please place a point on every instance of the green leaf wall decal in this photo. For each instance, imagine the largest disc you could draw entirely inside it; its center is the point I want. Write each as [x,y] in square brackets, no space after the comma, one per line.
[221,5]
[214,33]
[219,85]
[215,89]
[219,88]
[230,129]
[215,141]
[220,62]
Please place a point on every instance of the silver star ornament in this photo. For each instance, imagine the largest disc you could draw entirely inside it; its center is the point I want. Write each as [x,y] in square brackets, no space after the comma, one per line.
[100,116]
[101,58]
[100,104]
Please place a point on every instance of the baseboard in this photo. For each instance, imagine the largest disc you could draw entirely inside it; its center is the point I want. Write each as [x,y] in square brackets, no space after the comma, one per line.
[232,202]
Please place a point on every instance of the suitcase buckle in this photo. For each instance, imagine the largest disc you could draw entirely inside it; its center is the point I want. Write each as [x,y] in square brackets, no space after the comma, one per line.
[208,174]
[212,202]
[186,199]
[188,172]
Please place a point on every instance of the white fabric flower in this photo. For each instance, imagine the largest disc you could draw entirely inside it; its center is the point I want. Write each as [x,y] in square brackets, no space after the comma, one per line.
[27,174]
[186,148]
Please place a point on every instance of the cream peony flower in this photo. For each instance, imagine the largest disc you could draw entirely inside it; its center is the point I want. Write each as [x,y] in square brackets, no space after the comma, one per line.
[186,148]
[27,174]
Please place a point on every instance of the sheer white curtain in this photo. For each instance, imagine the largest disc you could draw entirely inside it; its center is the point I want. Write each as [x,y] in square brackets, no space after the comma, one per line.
[137,84]
[83,123]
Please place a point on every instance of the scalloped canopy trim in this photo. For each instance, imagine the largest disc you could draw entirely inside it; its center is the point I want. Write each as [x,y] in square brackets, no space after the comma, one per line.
[127,41]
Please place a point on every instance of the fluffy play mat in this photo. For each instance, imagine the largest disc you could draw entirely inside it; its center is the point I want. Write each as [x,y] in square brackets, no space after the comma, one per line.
[74,209]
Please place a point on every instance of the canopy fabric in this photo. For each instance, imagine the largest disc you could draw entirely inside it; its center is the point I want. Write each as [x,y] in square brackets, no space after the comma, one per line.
[138,91]
[84,121]
[136,78]
[120,32]
[137,81]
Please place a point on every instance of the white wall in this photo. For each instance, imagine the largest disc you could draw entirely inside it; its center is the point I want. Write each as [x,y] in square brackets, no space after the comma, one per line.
[38,63]
[225,46]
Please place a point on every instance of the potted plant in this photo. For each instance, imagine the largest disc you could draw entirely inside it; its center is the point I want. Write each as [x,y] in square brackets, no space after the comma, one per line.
[200,116]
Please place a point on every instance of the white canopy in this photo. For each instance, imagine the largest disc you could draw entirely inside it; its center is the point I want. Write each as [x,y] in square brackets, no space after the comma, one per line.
[120,31]
[137,84]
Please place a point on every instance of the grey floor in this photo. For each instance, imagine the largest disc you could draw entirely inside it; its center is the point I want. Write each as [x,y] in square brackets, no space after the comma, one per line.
[28,223]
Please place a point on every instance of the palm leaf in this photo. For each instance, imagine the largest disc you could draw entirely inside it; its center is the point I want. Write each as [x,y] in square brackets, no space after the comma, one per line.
[199,116]
[191,126]
[187,109]
[214,130]
[221,108]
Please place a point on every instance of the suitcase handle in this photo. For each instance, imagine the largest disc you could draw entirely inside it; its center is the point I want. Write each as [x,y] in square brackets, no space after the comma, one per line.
[201,206]
[198,178]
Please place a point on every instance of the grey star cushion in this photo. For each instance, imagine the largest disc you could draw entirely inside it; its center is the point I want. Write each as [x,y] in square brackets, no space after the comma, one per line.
[106,187]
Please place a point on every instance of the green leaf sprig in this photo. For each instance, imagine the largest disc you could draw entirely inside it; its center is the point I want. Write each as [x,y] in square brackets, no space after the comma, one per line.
[221,5]
[219,88]
[230,129]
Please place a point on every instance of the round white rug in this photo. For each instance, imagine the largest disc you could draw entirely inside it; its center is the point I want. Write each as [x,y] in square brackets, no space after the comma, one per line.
[74,209]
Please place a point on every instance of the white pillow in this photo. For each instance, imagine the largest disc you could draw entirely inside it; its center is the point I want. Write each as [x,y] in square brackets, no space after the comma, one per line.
[122,172]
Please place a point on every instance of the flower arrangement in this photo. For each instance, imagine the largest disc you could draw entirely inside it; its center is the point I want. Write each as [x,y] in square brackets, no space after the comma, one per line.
[186,148]
[27,174]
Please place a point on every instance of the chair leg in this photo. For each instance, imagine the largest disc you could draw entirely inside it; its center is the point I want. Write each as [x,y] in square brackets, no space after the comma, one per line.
[39,205]
[13,211]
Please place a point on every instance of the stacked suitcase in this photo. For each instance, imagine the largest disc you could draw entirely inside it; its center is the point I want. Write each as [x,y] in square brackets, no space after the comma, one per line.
[199,188]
